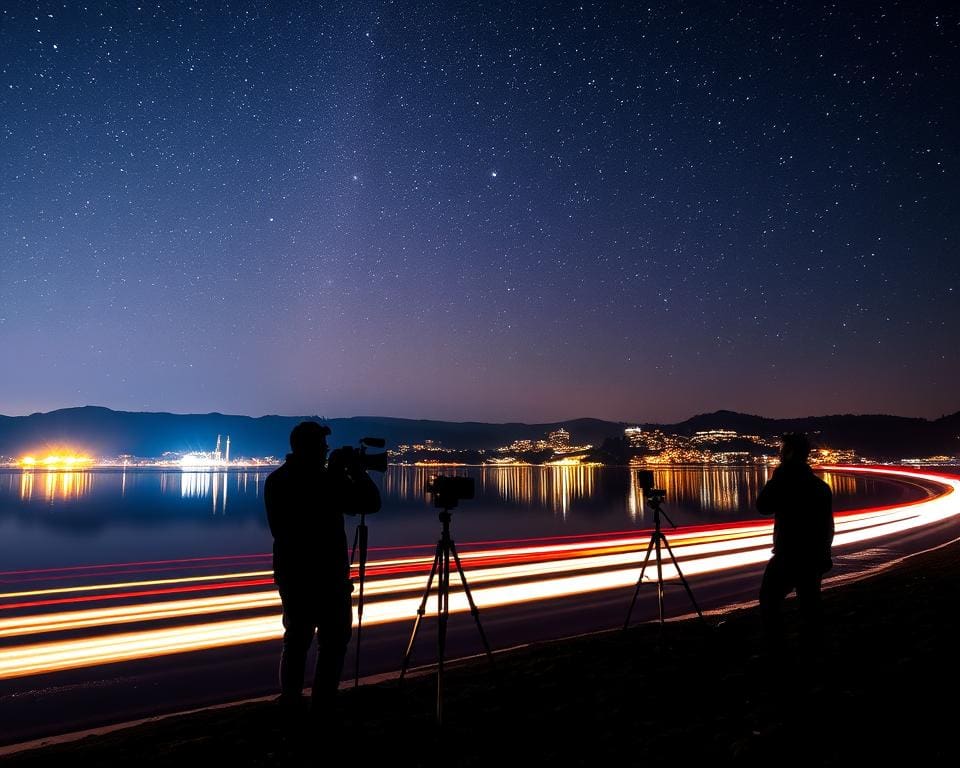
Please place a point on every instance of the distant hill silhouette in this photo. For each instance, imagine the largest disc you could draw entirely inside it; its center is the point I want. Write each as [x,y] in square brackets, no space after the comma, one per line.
[875,436]
[104,432]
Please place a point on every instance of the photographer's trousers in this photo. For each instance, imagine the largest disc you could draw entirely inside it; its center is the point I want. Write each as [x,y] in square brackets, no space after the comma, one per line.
[780,578]
[329,616]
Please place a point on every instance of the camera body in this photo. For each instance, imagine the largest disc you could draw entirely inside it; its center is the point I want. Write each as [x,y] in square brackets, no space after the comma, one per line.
[645,479]
[448,491]
[353,461]
[646,482]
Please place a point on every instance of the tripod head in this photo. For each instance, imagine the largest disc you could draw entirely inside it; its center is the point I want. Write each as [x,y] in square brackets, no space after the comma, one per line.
[655,495]
[655,498]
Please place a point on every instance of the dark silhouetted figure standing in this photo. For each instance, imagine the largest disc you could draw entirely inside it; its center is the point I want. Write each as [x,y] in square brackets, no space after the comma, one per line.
[802,508]
[305,503]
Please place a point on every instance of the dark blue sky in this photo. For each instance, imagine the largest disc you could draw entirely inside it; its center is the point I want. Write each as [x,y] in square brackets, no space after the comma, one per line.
[488,211]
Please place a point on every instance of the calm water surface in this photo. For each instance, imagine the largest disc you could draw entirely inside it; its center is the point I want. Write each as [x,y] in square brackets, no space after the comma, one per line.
[54,518]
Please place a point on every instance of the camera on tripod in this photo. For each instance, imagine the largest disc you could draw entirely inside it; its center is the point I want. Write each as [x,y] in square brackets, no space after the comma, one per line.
[646,482]
[448,491]
[355,463]
[658,542]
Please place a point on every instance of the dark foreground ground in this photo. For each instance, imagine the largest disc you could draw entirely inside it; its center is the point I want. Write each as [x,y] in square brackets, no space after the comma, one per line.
[883,688]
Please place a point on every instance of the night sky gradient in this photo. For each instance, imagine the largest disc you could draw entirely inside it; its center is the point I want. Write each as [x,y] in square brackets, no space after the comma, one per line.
[490,211]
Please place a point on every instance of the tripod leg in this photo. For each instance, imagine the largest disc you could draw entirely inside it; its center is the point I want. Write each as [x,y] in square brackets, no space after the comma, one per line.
[683,580]
[353,551]
[420,611]
[443,615]
[473,606]
[636,592]
[362,539]
[659,575]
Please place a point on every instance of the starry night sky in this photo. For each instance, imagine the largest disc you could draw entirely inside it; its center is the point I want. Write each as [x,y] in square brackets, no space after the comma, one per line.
[491,211]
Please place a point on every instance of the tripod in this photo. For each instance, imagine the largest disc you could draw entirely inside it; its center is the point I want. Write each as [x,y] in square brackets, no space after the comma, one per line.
[441,570]
[658,539]
[359,545]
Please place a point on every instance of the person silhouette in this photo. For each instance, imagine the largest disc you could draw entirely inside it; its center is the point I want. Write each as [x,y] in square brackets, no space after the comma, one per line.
[802,507]
[305,502]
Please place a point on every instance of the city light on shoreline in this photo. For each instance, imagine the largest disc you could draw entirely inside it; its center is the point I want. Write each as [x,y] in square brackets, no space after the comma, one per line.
[56,461]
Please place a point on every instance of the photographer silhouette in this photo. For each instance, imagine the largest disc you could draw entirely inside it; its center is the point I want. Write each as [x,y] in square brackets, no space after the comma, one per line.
[802,508]
[305,502]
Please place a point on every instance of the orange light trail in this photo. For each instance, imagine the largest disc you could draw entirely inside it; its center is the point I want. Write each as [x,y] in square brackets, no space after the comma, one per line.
[144,563]
[128,584]
[138,593]
[511,573]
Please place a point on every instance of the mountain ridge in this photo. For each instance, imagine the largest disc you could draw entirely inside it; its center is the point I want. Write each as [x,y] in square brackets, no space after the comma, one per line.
[103,431]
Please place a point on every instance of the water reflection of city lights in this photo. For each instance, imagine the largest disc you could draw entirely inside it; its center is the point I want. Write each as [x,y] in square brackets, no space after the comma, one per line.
[841,483]
[26,486]
[718,489]
[409,482]
[200,485]
[54,485]
[195,485]
[715,490]
[554,487]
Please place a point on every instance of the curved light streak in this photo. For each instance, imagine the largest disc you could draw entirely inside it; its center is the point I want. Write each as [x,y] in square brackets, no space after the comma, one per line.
[128,584]
[505,575]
